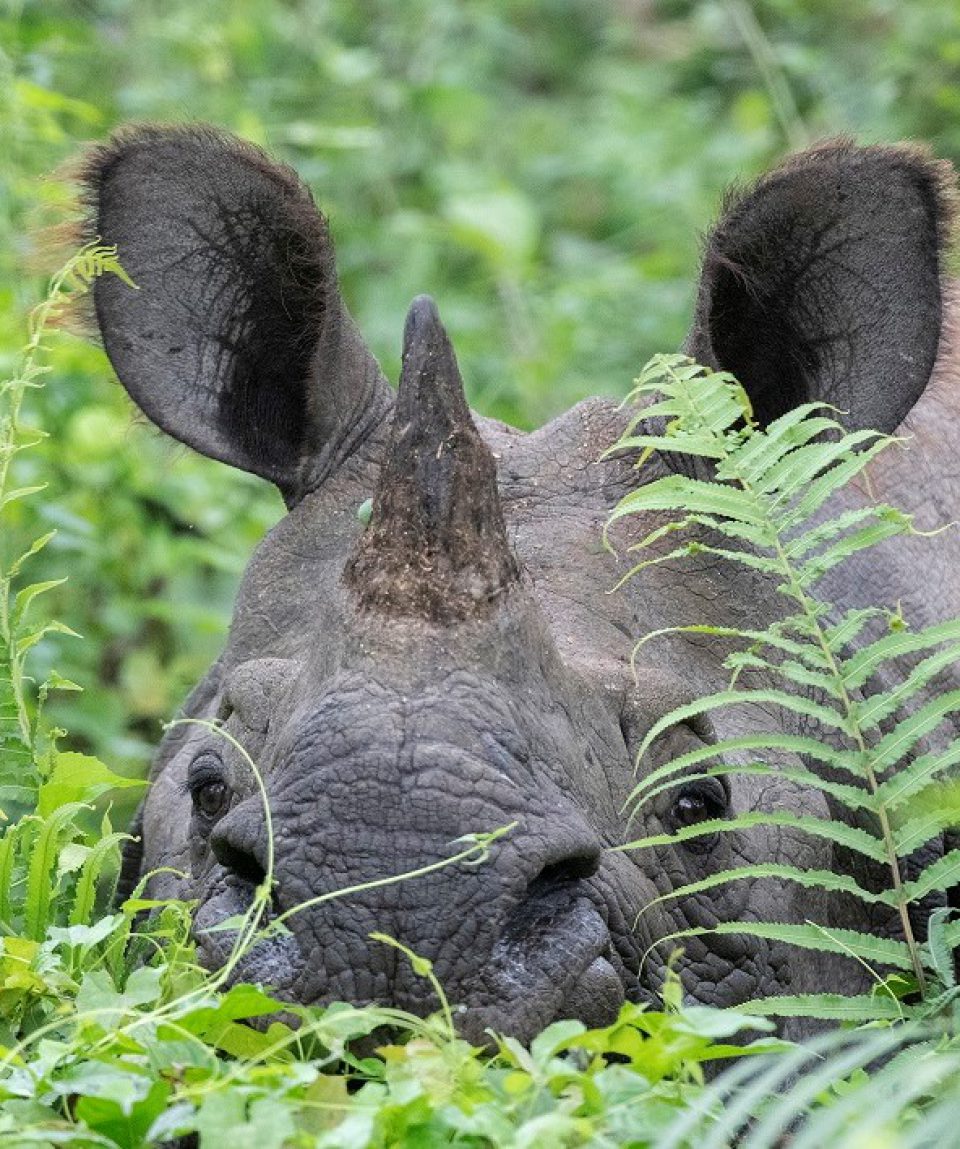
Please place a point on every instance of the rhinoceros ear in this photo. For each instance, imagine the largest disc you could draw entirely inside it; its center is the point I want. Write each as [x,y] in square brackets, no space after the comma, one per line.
[824,282]
[237,342]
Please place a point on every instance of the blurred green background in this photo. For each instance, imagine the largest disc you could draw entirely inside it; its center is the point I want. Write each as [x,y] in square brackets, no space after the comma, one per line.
[544,168]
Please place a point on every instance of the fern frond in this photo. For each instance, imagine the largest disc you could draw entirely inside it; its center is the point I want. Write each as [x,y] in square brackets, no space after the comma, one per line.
[850,837]
[868,948]
[810,879]
[767,487]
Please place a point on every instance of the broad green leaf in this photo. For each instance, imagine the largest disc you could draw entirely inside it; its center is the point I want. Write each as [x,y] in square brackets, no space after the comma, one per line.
[79,778]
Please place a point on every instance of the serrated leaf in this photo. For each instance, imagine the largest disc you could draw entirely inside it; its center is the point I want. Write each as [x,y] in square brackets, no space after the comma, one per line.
[796,744]
[852,943]
[41,869]
[726,698]
[942,874]
[809,879]
[821,489]
[939,952]
[911,779]
[904,736]
[871,711]
[679,493]
[860,666]
[827,1006]
[810,540]
[840,833]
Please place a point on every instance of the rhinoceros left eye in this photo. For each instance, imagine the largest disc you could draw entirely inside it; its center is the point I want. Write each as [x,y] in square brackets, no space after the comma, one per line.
[700,801]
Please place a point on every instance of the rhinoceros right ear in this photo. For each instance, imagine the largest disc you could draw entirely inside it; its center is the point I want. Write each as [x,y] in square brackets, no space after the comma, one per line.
[824,282]
[237,341]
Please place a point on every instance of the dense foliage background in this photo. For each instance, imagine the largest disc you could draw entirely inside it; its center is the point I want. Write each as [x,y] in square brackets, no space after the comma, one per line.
[543,167]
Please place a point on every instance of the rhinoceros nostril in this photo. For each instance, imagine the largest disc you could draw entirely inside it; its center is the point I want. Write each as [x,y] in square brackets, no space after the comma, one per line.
[564,872]
[237,860]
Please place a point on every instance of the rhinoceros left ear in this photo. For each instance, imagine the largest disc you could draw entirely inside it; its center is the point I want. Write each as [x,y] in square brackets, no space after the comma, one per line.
[825,282]
[237,341]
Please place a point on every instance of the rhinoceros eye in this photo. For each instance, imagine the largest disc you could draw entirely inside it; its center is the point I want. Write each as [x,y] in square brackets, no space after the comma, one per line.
[207,784]
[700,801]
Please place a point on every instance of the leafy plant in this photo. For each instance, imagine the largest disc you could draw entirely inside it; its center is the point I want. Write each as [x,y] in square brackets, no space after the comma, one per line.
[760,508]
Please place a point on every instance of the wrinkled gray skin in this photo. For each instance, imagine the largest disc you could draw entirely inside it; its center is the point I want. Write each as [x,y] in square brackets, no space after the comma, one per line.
[462,664]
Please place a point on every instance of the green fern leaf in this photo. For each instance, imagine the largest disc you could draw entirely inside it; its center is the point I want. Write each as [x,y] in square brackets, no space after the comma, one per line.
[942,874]
[922,772]
[851,837]
[809,879]
[829,1006]
[788,743]
[853,943]
[860,666]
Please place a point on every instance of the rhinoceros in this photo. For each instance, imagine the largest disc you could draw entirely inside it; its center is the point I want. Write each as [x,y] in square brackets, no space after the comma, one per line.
[454,662]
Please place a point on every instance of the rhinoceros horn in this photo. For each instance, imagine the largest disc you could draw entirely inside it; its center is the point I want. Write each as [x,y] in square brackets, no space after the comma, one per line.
[436,546]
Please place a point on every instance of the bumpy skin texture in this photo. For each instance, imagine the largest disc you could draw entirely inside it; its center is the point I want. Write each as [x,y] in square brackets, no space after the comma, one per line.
[462,664]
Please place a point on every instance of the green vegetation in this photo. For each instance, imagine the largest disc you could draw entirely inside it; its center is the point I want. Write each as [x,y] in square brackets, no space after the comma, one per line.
[596,138]
[817,663]
[592,143]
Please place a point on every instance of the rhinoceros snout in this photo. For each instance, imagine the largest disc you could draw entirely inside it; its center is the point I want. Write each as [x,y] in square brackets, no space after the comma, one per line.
[517,941]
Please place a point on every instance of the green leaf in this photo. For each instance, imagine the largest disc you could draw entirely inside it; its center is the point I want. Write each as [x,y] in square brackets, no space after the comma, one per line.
[42,866]
[893,746]
[79,778]
[793,744]
[677,492]
[26,596]
[817,492]
[828,1007]
[727,698]
[105,849]
[871,711]
[917,831]
[913,778]
[810,879]
[939,875]
[860,666]
[35,547]
[939,952]
[852,943]
[832,831]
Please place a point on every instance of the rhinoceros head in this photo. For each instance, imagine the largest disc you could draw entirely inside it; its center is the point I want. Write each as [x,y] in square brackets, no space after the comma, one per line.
[458,664]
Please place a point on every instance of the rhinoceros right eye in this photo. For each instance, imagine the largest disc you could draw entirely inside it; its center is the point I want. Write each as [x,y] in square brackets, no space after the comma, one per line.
[208,787]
